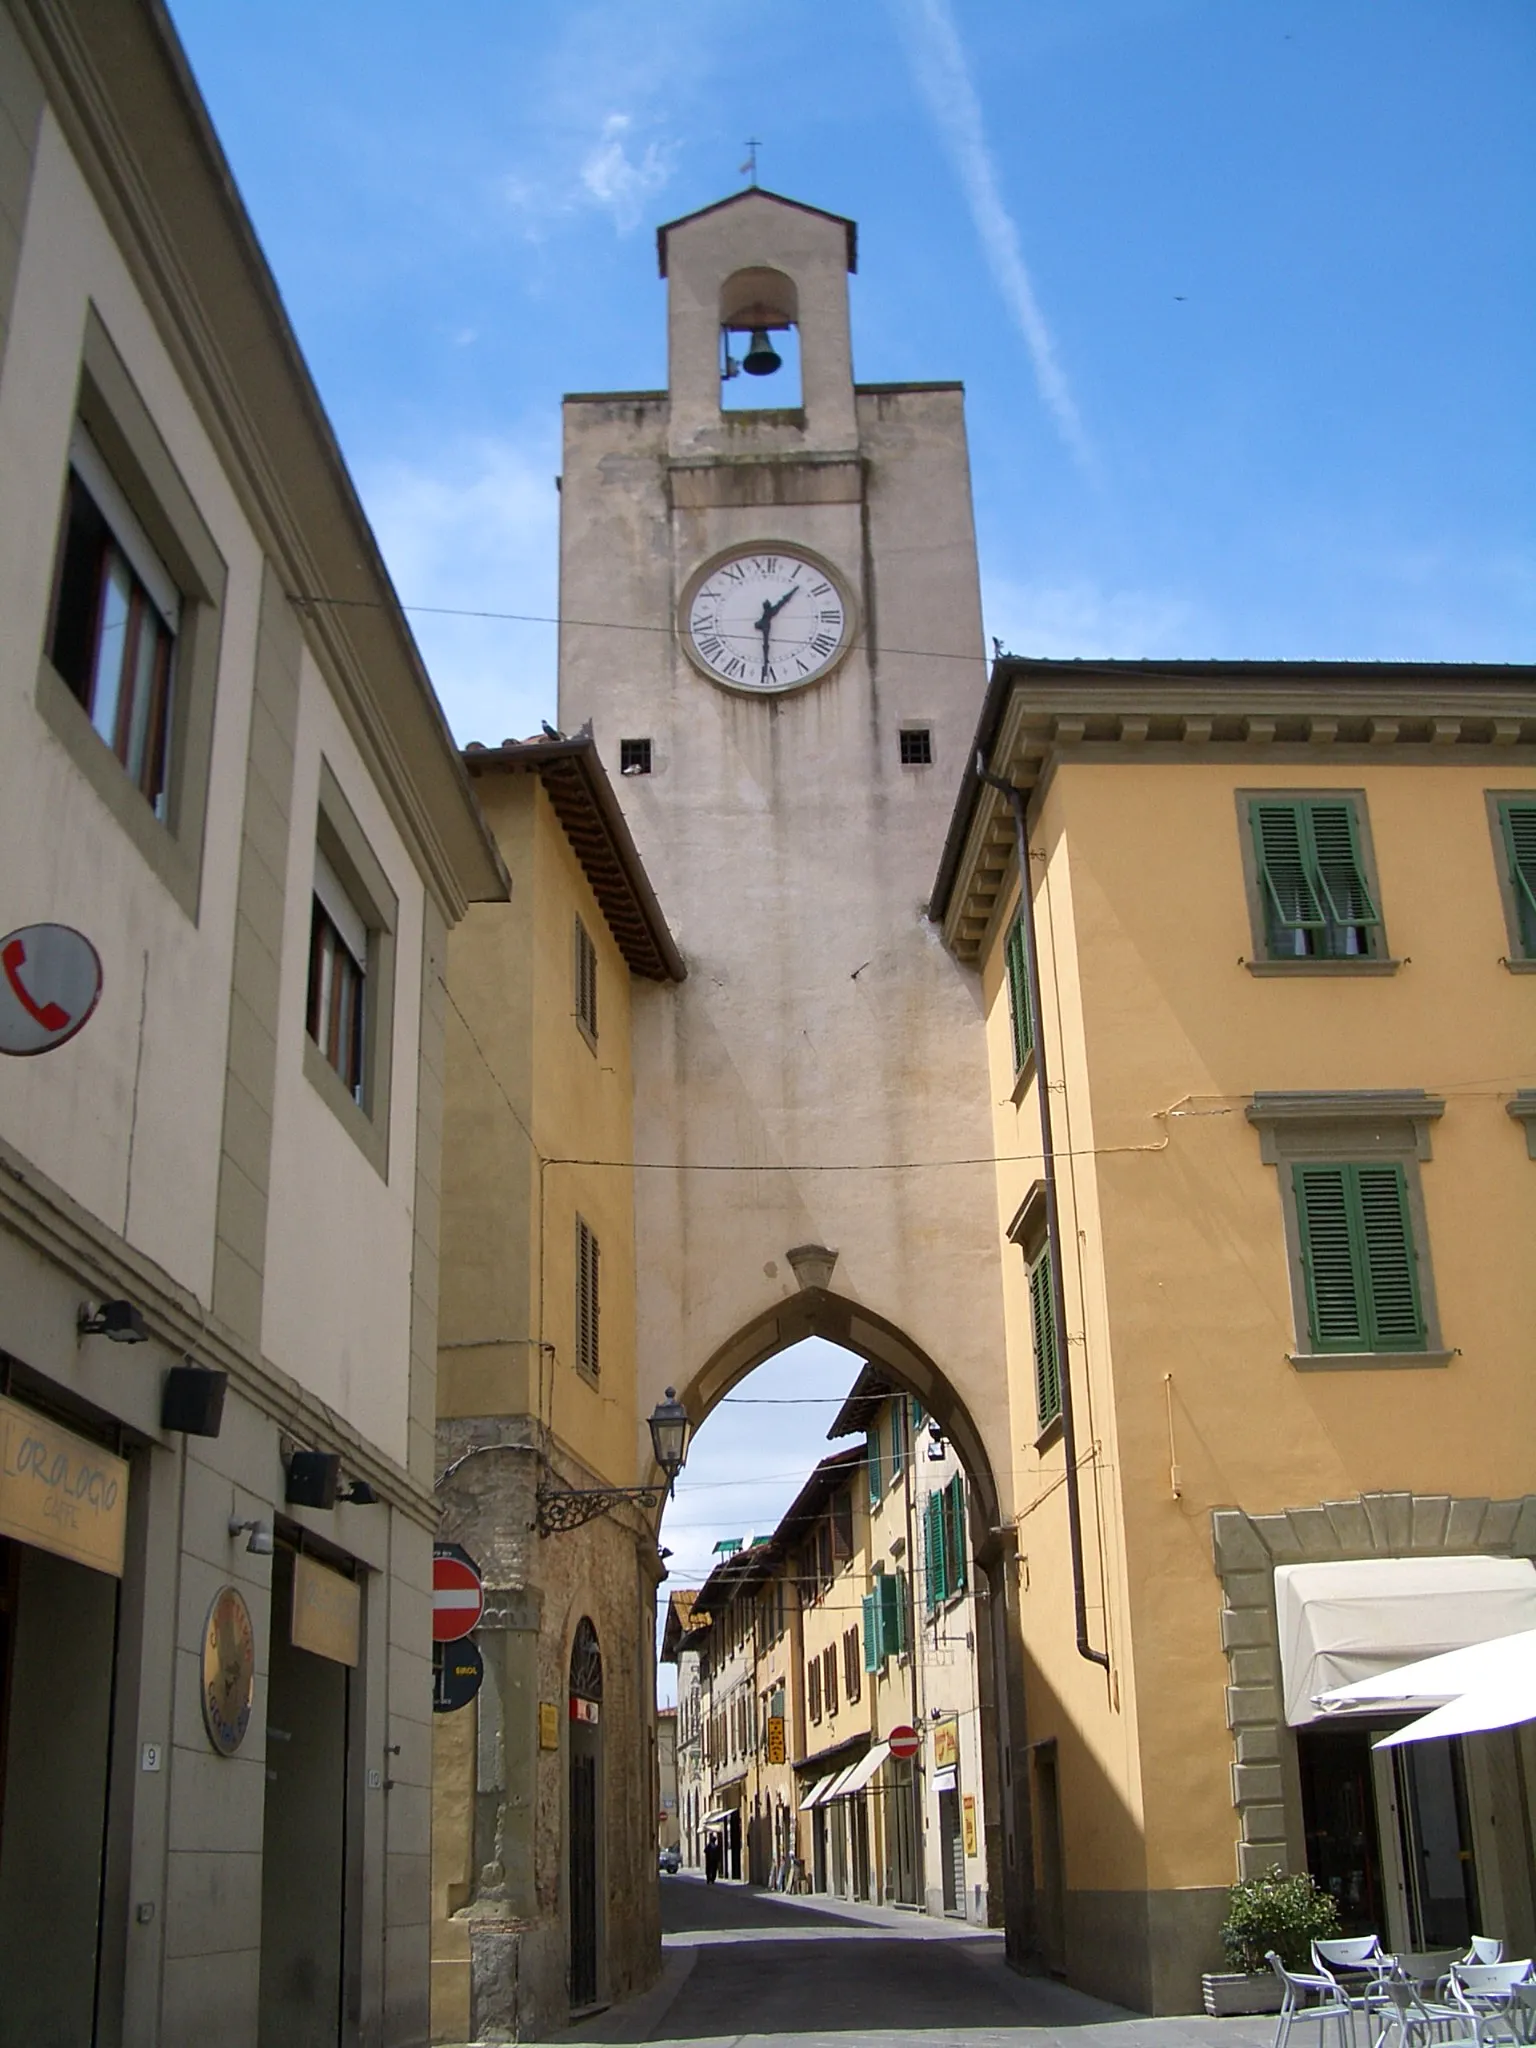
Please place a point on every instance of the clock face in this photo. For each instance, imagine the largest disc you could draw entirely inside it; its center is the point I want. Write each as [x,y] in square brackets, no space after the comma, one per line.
[766,618]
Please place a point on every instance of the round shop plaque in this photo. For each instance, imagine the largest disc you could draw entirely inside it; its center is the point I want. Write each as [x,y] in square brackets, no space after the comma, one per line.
[229,1670]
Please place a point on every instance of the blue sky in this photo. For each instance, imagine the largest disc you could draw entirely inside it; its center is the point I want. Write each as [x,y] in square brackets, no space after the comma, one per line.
[1243,292]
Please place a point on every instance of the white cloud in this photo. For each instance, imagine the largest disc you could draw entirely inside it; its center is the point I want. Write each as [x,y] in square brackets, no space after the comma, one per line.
[1076,617]
[938,62]
[619,182]
[477,530]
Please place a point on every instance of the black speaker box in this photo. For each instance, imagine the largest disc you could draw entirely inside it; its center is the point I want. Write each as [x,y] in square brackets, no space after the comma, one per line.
[312,1477]
[192,1400]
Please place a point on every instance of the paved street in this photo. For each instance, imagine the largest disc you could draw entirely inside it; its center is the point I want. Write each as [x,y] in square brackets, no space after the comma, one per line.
[744,1969]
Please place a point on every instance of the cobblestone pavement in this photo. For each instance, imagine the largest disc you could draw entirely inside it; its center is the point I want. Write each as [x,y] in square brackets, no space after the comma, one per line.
[747,1969]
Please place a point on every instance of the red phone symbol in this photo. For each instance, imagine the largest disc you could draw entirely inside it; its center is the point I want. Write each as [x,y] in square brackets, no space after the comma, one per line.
[49,1015]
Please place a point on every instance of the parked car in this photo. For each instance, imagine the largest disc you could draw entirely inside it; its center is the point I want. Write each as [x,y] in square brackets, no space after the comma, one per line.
[671,1861]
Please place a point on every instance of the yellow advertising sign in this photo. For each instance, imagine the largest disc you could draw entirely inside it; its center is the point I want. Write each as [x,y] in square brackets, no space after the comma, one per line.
[968,1821]
[60,1491]
[946,1745]
[327,1611]
[776,1751]
[549,1725]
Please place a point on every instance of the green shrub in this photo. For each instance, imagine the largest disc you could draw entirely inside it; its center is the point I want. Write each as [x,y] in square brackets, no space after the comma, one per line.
[1286,1914]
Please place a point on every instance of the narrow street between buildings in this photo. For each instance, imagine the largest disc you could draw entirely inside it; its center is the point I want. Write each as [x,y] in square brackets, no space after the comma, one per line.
[744,1968]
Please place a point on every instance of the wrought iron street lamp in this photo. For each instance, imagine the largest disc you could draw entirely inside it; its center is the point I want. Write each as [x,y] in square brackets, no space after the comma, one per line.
[569,1507]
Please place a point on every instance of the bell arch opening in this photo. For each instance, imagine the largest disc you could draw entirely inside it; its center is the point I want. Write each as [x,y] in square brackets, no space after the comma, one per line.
[759,341]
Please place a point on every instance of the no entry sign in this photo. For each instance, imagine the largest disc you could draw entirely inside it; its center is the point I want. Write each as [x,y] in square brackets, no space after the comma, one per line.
[904,1742]
[458,1593]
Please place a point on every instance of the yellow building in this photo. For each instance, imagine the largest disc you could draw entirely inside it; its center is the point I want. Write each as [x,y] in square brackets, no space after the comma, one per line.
[545,1788]
[1270,1347]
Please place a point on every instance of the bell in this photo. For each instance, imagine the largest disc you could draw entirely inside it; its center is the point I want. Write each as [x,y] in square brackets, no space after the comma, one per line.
[761,358]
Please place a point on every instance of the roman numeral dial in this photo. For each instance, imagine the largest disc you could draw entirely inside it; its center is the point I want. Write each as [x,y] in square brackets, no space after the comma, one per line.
[766,617]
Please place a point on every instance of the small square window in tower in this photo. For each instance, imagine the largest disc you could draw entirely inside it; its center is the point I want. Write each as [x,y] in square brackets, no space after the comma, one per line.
[634,757]
[916,746]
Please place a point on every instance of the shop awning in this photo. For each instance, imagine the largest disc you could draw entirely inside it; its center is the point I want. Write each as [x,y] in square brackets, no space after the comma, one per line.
[818,1791]
[858,1775]
[943,1781]
[720,1814]
[1344,1621]
[1485,1686]
[837,1784]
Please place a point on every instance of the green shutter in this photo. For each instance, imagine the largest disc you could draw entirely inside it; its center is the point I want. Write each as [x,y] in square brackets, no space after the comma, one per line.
[1519,822]
[1358,1258]
[1290,890]
[1334,1308]
[1391,1264]
[1047,1357]
[871,1610]
[1339,869]
[872,1450]
[933,1549]
[891,1617]
[954,1505]
[1017,967]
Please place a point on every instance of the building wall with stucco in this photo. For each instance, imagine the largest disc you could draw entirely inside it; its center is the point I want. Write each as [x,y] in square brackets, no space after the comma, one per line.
[191,1152]
[1204,1411]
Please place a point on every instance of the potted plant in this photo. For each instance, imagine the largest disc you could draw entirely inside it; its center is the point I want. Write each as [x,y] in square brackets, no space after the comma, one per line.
[1275,1911]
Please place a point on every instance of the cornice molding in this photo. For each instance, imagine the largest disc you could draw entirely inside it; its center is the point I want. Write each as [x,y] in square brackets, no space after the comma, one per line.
[1039,718]
[43,1216]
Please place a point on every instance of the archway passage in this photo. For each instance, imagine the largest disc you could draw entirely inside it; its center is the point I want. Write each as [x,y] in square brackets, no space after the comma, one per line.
[585,1830]
[829,1615]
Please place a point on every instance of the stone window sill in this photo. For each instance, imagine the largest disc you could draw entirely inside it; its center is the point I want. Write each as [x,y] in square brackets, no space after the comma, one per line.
[1307,968]
[1367,1361]
[1051,1434]
[1026,1074]
[1519,966]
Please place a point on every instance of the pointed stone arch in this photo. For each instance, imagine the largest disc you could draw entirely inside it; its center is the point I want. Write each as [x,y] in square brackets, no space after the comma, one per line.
[818,1311]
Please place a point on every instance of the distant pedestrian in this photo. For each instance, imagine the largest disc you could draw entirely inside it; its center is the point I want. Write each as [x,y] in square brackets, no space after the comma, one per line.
[712,1858]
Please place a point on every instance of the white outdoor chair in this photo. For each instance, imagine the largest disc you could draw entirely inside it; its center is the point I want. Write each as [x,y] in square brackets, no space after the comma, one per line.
[1486,1991]
[1410,2020]
[1356,1963]
[1307,1997]
[1484,1948]
[1521,2011]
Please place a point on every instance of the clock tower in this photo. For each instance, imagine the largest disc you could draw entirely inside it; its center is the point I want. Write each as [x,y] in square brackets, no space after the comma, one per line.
[772,621]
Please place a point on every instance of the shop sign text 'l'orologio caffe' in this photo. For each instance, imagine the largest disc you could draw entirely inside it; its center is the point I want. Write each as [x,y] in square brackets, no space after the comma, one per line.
[60,1491]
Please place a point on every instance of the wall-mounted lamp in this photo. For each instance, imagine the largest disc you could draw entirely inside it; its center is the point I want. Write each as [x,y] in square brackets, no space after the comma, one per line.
[569,1507]
[119,1320]
[258,1534]
[936,1443]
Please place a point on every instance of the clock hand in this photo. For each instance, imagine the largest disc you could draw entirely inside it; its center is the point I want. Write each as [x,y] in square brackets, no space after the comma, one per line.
[774,610]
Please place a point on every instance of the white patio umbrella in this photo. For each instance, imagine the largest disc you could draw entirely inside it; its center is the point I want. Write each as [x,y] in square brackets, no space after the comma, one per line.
[1486,1685]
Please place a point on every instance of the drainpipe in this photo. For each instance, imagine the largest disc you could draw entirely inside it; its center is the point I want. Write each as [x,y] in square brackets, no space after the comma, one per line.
[1016,803]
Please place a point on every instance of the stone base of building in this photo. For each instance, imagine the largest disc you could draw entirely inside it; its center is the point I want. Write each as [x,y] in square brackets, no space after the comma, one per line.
[1145,1950]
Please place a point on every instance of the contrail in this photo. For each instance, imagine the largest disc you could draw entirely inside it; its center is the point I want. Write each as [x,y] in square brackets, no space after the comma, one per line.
[938,60]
